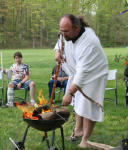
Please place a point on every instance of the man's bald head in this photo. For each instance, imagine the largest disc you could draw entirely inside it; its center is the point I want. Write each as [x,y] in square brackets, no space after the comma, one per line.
[70,27]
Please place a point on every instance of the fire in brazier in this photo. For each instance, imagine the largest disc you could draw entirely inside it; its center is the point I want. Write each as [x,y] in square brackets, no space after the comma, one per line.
[43,110]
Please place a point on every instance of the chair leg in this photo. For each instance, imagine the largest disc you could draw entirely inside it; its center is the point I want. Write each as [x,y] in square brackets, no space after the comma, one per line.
[115,97]
[59,95]
[60,90]
[27,95]
[6,96]
[2,97]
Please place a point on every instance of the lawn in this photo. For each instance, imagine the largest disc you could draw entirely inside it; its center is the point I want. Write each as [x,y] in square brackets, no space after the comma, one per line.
[40,62]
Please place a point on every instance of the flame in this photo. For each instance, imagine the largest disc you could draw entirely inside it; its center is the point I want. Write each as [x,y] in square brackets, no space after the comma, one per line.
[28,109]
[41,98]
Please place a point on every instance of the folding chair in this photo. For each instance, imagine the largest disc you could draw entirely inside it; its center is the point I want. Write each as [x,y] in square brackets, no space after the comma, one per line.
[58,91]
[9,76]
[2,81]
[112,75]
[2,85]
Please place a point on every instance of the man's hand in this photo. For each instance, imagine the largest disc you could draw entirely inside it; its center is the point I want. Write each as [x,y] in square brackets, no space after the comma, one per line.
[66,99]
[59,57]
[3,70]
[60,79]
[68,96]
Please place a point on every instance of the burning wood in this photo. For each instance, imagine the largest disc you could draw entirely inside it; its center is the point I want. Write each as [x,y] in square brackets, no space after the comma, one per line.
[44,111]
[58,113]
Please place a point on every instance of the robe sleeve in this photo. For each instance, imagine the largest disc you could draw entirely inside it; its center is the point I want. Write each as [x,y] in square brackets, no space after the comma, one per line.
[91,62]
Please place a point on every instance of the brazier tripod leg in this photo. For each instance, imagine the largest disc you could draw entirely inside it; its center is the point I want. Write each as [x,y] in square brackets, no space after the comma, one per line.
[47,140]
[62,137]
[20,145]
[25,134]
[53,136]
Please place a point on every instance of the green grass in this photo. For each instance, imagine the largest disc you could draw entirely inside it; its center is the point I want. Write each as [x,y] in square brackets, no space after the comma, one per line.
[41,62]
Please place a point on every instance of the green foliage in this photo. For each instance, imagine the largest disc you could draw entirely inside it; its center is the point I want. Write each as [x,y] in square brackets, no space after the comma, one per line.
[126,5]
[1,38]
[30,23]
[118,57]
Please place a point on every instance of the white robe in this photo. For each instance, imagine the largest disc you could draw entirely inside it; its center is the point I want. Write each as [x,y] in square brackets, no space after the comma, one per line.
[87,66]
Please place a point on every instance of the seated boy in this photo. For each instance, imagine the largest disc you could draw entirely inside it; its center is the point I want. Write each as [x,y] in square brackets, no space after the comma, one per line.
[62,80]
[20,75]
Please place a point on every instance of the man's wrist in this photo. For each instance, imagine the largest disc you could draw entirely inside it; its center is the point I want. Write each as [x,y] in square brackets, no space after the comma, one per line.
[70,92]
[57,50]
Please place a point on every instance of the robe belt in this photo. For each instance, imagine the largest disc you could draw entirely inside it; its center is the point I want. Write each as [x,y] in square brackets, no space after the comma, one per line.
[78,88]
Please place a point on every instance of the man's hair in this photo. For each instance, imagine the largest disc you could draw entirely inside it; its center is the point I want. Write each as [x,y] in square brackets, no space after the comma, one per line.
[18,54]
[79,20]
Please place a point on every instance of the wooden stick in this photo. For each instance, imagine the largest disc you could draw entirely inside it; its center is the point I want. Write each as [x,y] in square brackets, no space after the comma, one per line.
[57,71]
[54,85]
[98,146]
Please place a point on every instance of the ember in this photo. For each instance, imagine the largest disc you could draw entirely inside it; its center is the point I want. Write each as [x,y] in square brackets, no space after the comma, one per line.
[29,110]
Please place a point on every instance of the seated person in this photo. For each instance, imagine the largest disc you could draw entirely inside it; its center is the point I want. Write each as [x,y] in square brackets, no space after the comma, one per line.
[126,70]
[62,80]
[126,79]
[20,75]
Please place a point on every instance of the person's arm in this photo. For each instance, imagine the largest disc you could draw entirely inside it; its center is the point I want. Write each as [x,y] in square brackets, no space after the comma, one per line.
[68,96]
[3,70]
[62,79]
[54,72]
[25,77]
[22,82]
[54,76]
[65,78]
[58,55]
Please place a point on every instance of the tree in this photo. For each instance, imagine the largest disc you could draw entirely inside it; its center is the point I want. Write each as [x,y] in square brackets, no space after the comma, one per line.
[30,23]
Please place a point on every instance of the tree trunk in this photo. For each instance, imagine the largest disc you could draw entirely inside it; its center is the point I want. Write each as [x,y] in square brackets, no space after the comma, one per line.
[33,40]
[41,36]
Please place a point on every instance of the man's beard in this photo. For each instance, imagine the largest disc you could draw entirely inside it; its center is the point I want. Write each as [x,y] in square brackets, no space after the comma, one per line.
[68,38]
[73,38]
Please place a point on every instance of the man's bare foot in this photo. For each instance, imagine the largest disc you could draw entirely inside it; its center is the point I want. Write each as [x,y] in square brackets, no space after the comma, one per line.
[78,133]
[82,145]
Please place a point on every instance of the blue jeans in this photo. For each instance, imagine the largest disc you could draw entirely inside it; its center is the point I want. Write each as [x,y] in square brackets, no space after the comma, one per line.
[58,84]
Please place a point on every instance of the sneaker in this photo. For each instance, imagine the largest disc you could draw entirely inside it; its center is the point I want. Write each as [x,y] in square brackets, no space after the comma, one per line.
[9,104]
[32,102]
